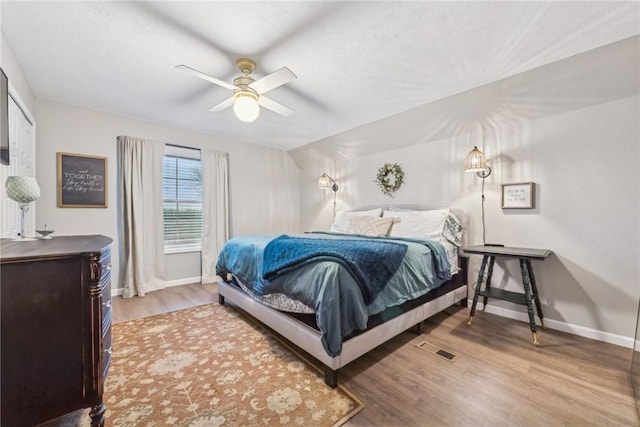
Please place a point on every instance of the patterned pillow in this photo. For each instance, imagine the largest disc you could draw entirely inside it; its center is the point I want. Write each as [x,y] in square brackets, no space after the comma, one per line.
[398,209]
[341,221]
[423,225]
[453,229]
[370,226]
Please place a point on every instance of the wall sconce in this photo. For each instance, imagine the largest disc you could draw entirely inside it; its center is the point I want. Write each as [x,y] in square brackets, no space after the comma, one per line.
[477,162]
[325,182]
[24,190]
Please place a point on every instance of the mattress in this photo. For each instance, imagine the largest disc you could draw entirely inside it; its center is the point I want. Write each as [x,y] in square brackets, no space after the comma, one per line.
[341,299]
[282,302]
[306,314]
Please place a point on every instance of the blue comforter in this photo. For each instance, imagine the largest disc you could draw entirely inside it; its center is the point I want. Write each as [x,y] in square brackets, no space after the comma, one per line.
[370,262]
[330,288]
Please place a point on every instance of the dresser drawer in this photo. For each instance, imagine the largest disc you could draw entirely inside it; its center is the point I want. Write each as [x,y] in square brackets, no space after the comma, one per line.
[105,268]
[105,297]
[107,349]
[105,258]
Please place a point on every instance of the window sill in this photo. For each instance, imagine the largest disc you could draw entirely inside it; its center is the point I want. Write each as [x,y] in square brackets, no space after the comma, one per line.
[181,250]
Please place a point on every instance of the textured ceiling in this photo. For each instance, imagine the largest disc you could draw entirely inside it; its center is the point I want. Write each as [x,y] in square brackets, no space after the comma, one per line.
[356,62]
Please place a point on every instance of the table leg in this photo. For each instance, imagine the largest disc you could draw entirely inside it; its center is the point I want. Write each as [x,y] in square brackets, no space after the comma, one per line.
[527,295]
[487,285]
[478,286]
[534,291]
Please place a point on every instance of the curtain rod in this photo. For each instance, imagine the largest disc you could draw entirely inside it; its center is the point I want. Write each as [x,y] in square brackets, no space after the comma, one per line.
[183,146]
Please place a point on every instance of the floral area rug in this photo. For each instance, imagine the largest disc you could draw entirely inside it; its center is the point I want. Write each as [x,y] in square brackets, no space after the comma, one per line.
[210,366]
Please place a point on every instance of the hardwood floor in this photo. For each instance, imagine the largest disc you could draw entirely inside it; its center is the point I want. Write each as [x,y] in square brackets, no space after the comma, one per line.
[169,299]
[498,378]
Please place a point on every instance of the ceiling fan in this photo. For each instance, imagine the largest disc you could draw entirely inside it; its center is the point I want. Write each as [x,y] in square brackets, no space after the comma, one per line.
[248,93]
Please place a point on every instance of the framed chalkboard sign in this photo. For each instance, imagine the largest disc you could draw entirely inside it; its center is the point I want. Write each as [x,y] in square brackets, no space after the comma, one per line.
[82,181]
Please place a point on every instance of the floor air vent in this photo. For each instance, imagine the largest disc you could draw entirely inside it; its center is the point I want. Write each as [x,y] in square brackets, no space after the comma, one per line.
[430,348]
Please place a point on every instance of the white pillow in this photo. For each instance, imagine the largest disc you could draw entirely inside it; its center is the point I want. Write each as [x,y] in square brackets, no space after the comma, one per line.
[370,225]
[423,225]
[341,221]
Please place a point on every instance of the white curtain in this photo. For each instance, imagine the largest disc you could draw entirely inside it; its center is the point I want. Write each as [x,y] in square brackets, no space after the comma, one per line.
[215,209]
[141,233]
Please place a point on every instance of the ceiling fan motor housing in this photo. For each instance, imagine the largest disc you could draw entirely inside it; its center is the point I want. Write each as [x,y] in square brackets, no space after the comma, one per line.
[243,81]
[246,65]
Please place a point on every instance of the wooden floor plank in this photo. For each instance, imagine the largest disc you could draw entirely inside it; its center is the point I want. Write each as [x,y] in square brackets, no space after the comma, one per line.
[497,379]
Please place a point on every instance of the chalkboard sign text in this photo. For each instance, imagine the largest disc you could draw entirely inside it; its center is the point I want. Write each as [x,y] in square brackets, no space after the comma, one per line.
[82,181]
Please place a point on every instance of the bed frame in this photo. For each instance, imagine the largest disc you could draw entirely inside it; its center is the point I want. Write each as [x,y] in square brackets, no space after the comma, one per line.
[308,338]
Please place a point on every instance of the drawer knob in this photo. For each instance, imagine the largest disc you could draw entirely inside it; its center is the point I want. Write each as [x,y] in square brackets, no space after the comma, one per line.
[109,350]
[107,304]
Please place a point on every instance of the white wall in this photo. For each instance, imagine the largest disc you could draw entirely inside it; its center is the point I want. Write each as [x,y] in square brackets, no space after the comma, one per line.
[571,128]
[585,166]
[14,73]
[264,194]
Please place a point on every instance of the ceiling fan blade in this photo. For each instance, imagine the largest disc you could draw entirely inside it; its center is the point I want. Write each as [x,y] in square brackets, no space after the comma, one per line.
[272,105]
[273,80]
[206,77]
[224,104]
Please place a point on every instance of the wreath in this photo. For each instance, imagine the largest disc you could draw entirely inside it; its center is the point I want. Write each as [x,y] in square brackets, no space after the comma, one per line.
[390,178]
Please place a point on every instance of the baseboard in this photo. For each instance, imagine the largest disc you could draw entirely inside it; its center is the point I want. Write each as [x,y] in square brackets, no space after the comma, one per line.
[168,284]
[560,326]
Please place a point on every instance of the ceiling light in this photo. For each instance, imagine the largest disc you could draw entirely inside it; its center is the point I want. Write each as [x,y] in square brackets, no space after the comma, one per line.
[246,106]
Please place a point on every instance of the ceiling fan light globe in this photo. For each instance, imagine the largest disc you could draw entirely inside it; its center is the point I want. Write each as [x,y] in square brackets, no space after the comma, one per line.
[246,107]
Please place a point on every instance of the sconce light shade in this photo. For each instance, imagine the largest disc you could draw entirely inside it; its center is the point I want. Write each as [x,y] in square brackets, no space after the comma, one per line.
[246,106]
[325,182]
[476,162]
[22,189]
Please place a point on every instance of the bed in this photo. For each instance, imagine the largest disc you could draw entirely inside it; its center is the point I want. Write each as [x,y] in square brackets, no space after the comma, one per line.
[341,293]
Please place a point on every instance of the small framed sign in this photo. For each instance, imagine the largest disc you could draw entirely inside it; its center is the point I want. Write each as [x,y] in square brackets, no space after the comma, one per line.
[82,181]
[519,195]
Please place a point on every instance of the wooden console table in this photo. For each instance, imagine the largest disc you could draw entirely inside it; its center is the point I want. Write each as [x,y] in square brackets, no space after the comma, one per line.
[530,295]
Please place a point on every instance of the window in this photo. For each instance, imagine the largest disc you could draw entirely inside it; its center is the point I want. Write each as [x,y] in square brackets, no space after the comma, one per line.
[182,192]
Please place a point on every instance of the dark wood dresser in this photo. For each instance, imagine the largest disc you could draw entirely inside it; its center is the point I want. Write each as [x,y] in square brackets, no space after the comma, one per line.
[55,342]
